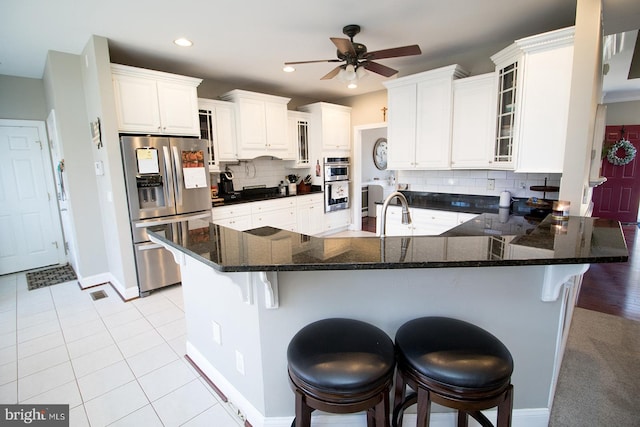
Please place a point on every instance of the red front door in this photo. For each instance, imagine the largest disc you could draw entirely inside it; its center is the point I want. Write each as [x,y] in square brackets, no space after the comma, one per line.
[619,197]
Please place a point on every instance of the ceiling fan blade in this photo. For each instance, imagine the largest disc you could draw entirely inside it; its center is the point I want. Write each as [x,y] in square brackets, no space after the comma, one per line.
[380,69]
[395,52]
[311,62]
[344,46]
[331,74]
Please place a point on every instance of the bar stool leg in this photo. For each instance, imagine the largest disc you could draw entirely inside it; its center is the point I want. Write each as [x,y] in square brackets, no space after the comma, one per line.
[303,412]
[463,419]
[505,409]
[424,407]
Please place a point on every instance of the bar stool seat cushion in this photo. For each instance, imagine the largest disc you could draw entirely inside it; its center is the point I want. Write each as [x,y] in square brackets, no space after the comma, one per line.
[341,356]
[454,353]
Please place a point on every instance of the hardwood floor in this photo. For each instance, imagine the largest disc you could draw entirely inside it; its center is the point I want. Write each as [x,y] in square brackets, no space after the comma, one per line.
[615,288]
[369,224]
[607,288]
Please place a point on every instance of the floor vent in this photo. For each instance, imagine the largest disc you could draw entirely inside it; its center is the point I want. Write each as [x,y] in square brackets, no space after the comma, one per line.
[98,295]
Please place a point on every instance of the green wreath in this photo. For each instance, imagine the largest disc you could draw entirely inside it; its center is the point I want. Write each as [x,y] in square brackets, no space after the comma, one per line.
[629,149]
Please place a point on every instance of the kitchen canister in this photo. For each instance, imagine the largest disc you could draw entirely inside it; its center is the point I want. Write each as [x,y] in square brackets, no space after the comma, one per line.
[505,200]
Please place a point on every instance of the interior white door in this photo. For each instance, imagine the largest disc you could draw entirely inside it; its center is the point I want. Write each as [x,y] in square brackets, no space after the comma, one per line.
[30,233]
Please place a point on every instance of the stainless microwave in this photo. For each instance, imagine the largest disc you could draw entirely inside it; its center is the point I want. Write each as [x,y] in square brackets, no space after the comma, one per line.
[337,169]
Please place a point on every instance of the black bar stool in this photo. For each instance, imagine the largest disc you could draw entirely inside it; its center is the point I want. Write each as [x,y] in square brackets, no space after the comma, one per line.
[341,366]
[455,364]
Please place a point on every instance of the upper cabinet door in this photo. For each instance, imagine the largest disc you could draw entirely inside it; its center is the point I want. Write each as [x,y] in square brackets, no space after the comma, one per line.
[474,122]
[154,102]
[137,104]
[336,127]
[252,131]
[277,136]
[420,116]
[433,124]
[177,104]
[261,122]
[401,130]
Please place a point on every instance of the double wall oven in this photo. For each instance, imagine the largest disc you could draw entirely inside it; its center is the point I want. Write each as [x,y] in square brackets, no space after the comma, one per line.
[337,175]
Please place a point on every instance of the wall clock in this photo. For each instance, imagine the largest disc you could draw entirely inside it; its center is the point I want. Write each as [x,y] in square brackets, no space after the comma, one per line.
[380,153]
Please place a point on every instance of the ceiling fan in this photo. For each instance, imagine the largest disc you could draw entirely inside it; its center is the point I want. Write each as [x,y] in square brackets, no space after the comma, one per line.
[357,59]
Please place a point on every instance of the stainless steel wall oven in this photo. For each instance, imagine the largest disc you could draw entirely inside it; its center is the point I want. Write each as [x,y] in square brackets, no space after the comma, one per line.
[337,175]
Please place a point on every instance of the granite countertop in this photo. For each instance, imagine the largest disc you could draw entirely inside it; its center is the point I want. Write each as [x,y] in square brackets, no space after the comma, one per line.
[578,240]
[264,193]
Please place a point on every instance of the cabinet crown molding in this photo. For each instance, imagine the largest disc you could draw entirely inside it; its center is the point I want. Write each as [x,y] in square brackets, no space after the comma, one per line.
[539,42]
[455,71]
[318,106]
[126,70]
[239,93]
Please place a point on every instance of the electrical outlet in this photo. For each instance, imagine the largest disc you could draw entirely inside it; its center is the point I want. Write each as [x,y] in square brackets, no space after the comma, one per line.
[239,362]
[215,327]
[522,184]
[491,184]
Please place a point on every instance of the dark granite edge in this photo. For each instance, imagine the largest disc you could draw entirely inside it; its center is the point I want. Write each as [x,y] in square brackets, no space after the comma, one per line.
[389,265]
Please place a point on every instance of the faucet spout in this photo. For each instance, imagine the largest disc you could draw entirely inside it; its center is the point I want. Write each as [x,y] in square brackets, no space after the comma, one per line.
[406,215]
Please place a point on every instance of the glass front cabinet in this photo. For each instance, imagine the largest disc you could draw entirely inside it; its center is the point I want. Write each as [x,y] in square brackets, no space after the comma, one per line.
[534,83]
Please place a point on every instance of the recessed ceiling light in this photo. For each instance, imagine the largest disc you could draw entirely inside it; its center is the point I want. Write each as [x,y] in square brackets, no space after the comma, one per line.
[288,69]
[182,42]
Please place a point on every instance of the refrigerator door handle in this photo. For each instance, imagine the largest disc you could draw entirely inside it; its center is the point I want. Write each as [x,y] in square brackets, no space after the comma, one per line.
[168,193]
[178,171]
[151,223]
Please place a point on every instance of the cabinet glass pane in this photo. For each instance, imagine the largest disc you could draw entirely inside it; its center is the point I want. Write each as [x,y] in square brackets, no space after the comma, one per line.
[303,142]
[206,132]
[507,78]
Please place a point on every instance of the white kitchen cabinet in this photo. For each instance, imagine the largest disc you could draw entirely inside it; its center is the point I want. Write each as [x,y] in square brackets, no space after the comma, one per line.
[299,136]
[424,222]
[155,102]
[278,213]
[474,122]
[331,126]
[337,220]
[218,127]
[310,212]
[237,216]
[420,118]
[261,124]
[534,83]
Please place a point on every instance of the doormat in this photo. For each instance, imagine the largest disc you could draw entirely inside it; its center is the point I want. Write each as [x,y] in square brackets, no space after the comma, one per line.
[50,276]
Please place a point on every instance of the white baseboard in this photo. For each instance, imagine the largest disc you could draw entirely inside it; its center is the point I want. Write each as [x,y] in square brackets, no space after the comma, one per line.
[99,279]
[536,417]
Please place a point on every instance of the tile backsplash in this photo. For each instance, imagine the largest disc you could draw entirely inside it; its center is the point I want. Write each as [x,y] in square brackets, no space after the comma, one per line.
[261,171]
[269,172]
[478,182]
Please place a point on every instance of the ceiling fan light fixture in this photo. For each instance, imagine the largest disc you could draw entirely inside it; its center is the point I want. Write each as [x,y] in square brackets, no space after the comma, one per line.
[288,69]
[350,72]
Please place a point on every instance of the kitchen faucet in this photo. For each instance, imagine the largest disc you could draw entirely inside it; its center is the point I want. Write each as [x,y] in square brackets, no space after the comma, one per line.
[406,216]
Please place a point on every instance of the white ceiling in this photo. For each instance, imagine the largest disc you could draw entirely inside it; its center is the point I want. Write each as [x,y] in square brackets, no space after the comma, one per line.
[243,43]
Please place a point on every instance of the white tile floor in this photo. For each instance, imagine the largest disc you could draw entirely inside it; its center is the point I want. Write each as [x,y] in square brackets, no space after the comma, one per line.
[114,363]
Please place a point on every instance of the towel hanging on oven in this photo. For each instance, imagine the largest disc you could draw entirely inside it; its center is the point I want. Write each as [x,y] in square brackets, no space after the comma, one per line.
[339,190]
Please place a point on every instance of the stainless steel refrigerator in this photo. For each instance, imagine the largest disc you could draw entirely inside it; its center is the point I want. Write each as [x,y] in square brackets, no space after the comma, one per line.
[167,182]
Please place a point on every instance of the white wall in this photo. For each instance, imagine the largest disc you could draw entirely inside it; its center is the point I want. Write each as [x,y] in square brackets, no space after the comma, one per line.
[586,94]
[100,101]
[63,83]
[22,98]
[623,113]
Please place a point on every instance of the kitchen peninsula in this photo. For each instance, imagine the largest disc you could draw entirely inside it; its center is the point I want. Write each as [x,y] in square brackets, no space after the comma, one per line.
[247,293]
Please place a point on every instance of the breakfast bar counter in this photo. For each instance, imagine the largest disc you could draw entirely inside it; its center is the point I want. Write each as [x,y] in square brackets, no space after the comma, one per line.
[247,293]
